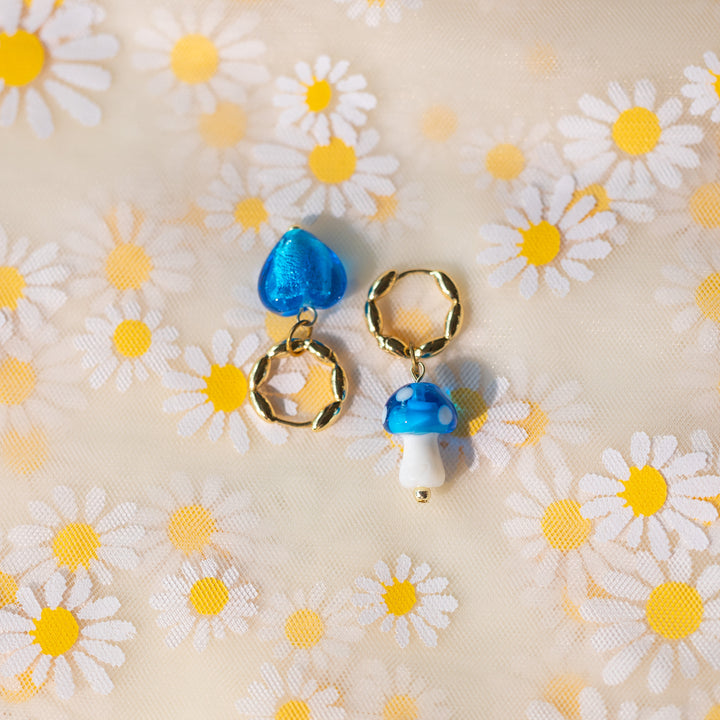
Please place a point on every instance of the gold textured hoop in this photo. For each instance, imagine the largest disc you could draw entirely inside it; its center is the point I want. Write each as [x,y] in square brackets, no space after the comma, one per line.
[397,346]
[289,348]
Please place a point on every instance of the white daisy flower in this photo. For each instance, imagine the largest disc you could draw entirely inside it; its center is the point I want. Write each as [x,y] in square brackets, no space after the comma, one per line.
[200,61]
[694,293]
[207,140]
[660,492]
[28,280]
[323,100]
[374,11]
[127,342]
[378,693]
[669,614]
[337,174]
[204,600]
[216,390]
[210,520]
[89,536]
[339,324]
[404,598]
[557,416]
[397,213]
[509,158]
[125,255]
[61,630]
[38,381]
[700,378]
[586,703]
[632,131]
[244,211]
[692,211]
[59,44]
[555,535]
[703,87]
[704,704]
[489,423]
[549,233]
[311,628]
[295,694]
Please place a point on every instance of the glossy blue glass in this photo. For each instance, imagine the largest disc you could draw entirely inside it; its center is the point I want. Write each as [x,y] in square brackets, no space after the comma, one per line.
[301,271]
[418,409]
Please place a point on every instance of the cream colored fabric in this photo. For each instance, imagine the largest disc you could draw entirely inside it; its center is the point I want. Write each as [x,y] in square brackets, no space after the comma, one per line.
[153,153]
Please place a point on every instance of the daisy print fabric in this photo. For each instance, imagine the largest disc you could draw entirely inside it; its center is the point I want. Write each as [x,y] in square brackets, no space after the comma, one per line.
[166,552]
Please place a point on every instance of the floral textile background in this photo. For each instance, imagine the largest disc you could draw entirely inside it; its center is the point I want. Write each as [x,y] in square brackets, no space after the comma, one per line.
[166,553]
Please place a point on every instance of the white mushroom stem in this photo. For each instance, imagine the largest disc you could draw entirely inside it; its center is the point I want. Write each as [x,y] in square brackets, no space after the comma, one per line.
[421,464]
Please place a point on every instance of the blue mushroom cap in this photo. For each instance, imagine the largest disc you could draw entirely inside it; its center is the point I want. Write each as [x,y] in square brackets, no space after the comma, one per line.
[418,409]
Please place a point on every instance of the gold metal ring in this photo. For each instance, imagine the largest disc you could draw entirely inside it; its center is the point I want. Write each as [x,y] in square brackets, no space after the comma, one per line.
[397,346]
[291,347]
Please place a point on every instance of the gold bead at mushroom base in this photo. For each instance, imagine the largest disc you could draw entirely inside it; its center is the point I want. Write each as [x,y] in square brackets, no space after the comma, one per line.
[422,494]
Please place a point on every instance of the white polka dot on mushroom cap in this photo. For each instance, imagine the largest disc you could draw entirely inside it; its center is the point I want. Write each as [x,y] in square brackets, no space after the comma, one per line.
[445,415]
[403,394]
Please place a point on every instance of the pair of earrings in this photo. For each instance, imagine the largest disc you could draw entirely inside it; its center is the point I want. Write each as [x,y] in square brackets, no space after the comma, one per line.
[303,275]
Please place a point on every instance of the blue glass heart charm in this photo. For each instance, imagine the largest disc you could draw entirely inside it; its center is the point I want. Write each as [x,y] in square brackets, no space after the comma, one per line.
[301,271]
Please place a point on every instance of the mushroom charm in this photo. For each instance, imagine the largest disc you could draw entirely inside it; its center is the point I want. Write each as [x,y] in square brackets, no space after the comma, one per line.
[418,413]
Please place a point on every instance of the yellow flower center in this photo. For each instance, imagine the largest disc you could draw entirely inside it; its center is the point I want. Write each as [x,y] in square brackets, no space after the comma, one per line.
[707,297]
[132,338]
[56,631]
[534,424]
[17,381]
[412,324]
[381,3]
[400,707]
[316,393]
[704,205]
[505,161]
[387,206]
[278,327]
[472,411]
[563,526]
[251,213]
[24,454]
[225,127]
[674,610]
[226,387]
[8,589]
[12,284]
[399,597]
[191,528]
[20,688]
[194,59]
[318,96]
[75,545]
[439,123]
[22,57]
[128,266]
[540,243]
[304,629]
[209,596]
[636,131]
[293,710]
[645,491]
[563,692]
[333,163]
[714,712]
